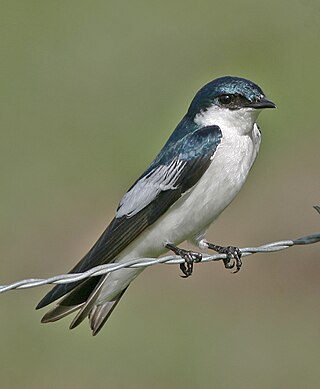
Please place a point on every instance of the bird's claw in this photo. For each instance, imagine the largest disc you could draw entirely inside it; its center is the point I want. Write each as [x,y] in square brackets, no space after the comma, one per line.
[233,258]
[233,254]
[190,258]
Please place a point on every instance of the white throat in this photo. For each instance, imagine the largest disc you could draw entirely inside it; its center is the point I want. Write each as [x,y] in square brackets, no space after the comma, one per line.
[240,120]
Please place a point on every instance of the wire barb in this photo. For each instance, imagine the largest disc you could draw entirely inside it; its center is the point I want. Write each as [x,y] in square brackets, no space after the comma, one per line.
[145,262]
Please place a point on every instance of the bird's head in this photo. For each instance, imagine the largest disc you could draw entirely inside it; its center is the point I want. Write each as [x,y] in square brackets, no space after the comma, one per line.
[230,99]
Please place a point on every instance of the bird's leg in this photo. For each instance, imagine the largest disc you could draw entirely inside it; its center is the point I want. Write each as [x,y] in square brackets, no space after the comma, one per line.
[190,258]
[233,255]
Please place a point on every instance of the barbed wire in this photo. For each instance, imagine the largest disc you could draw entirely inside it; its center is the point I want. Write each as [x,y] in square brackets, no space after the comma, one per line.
[146,262]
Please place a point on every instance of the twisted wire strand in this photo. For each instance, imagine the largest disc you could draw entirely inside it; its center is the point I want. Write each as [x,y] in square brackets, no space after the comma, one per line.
[146,262]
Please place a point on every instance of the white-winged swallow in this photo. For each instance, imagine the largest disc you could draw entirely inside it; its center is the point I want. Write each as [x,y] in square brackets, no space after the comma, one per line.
[196,175]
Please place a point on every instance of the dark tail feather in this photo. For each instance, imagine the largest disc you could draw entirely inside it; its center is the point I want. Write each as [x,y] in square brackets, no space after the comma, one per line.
[84,297]
[72,301]
[89,304]
[58,312]
[83,288]
[55,293]
[101,313]
[98,314]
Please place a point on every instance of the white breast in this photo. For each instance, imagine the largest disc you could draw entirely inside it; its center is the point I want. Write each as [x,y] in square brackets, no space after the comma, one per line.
[218,187]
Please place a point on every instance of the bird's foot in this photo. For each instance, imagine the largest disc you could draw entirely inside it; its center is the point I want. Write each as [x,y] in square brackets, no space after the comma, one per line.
[233,254]
[190,258]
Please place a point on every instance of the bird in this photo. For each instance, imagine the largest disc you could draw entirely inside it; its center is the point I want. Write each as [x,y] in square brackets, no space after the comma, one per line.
[195,176]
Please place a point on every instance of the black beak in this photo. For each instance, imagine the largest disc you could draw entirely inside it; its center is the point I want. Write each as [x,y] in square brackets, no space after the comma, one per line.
[262,103]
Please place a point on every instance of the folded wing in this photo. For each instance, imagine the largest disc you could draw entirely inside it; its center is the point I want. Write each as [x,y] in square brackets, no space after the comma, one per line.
[177,168]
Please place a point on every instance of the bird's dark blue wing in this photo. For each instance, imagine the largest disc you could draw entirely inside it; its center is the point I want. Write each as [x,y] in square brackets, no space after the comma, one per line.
[177,168]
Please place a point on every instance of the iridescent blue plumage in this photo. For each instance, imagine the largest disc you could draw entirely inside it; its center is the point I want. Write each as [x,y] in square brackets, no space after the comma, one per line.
[208,95]
[227,85]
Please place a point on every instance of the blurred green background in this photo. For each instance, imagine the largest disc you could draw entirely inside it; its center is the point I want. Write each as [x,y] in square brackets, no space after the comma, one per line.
[90,91]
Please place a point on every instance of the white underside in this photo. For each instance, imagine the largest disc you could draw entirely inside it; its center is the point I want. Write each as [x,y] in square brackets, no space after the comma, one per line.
[191,215]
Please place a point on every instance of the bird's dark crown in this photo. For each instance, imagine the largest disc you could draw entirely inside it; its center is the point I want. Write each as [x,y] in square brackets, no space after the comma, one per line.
[243,92]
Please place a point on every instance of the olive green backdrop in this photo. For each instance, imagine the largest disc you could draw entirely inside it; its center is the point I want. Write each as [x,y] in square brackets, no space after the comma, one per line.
[89,92]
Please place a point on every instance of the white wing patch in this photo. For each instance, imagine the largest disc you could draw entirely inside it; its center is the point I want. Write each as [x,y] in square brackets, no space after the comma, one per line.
[147,188]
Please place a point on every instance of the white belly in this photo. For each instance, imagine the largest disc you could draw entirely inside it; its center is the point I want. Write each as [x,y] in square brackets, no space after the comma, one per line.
[195,210]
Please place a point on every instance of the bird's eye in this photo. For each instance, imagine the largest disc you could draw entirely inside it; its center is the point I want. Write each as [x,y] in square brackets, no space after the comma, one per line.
[225,99]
